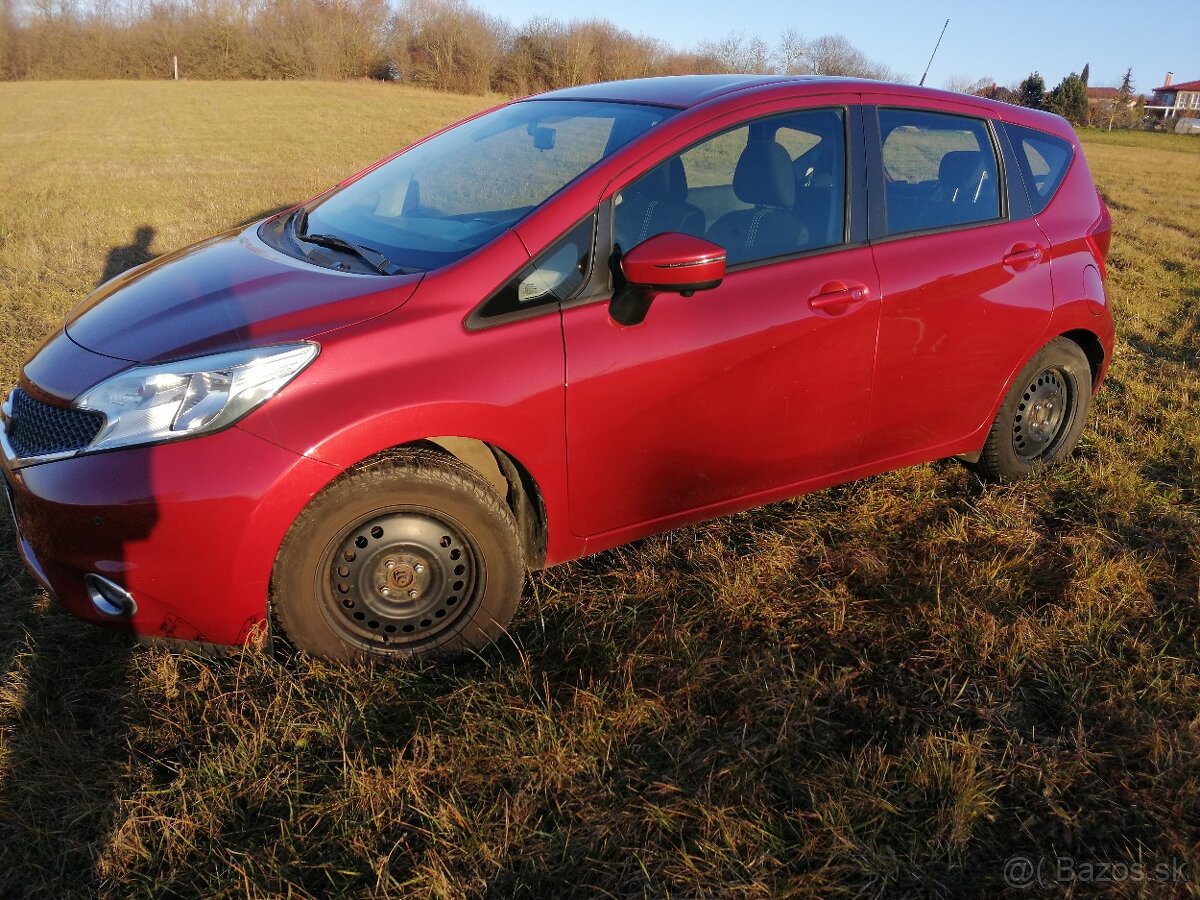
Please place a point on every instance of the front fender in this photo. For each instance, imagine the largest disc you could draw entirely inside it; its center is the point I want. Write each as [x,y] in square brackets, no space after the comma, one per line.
[422,379]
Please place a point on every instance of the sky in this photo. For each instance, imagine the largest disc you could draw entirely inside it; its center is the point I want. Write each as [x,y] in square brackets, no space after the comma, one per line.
[1002,41]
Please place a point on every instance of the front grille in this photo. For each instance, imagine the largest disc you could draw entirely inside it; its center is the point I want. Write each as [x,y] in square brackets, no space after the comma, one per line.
[39,429]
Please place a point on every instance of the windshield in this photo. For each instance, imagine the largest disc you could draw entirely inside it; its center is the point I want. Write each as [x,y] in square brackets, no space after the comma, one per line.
[455,192]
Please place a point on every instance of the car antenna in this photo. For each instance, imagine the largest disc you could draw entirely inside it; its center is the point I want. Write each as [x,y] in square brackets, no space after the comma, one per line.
[934,53]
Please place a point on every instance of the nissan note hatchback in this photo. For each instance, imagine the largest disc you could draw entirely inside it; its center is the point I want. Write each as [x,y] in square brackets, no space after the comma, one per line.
[561,325]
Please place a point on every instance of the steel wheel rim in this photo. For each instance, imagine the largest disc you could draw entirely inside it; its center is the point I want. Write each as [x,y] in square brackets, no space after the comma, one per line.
[399,579]
[1042,415]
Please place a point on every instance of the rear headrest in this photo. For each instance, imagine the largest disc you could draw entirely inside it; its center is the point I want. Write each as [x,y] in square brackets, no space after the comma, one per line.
[667,181]
[959,167]
[764,175]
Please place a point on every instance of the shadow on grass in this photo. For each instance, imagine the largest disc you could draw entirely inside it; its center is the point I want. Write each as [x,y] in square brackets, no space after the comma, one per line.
[63,741]
[125,256]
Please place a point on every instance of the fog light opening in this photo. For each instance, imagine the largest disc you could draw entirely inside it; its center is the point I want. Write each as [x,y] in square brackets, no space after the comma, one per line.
[108,597]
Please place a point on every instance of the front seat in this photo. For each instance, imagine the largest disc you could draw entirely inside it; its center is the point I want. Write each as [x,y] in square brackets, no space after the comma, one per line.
[765,179]
[655,203]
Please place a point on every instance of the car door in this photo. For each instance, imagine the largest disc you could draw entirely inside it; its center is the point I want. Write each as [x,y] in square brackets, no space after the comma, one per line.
[965,275]
[729,397]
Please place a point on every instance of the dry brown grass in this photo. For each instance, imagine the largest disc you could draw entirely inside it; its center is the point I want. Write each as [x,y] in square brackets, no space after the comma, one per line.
[888,688]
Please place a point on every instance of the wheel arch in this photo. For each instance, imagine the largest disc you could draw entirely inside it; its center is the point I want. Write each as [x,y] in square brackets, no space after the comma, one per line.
[506,475]
[515,484]
[1089,342]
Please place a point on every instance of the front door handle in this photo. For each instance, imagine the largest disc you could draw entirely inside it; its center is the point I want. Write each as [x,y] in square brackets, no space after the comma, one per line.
[838,294]
[1021,256]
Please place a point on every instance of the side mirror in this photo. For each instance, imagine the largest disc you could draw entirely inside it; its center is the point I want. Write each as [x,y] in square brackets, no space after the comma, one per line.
[666,263]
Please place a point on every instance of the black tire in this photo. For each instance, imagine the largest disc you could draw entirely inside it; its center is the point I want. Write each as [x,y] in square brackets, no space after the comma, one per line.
[407,556]
[1043,414]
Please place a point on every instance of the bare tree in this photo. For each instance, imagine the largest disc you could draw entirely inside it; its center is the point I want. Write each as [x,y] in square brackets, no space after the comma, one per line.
[8,26]
[739,53]
[453,46]
[834,55]
[963,85]
[1121,110]
[792,54]
[830,54]
[450,45]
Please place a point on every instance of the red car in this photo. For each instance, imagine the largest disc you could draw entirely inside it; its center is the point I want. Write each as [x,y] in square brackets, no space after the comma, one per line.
[561,325]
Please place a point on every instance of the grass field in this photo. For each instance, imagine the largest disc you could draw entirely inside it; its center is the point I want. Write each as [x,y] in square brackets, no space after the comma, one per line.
[889,688]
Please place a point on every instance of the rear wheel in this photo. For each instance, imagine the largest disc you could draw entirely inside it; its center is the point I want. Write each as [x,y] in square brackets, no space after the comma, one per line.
[1043,414]
[408,556]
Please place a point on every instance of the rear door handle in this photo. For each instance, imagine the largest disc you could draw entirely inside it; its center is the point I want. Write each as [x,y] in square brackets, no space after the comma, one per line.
[836,294]
[1022,256]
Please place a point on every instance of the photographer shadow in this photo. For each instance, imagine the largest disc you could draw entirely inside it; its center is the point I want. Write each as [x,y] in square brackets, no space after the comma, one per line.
[126,256]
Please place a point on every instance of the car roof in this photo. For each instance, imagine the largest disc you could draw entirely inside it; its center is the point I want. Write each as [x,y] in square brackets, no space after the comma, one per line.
[686,91]
[680,91]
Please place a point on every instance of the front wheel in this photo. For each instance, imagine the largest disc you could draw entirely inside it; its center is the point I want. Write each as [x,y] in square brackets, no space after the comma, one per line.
[410,555]
[1043,414]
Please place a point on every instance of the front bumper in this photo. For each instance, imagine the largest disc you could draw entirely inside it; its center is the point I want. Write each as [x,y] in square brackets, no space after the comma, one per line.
[191,529]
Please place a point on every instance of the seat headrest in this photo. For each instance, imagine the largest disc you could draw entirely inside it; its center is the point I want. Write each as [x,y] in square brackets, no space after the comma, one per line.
[666,181]
[764,175]
[959,167]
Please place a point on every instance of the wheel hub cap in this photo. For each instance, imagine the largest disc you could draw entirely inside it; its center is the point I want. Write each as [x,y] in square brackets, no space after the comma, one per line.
[400,579]
[1041,416]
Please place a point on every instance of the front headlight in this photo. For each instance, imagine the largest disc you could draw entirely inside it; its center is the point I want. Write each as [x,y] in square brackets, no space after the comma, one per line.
[148,404]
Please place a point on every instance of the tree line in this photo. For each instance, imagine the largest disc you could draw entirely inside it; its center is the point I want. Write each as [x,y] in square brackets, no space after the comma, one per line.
[1119,108]
[444,44]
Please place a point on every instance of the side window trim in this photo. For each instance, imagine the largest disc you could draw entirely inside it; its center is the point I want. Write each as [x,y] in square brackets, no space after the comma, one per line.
[1020,204]
[857,210]
[877,182]
[599,282]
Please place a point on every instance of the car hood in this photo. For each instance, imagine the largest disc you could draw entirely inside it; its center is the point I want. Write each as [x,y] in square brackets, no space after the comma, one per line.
[229,292]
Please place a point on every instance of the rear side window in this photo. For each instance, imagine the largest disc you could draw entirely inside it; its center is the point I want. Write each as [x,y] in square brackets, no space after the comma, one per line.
[1044,160]
[940,170]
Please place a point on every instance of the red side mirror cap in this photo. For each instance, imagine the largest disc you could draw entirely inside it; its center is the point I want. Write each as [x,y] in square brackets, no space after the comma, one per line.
[676,263]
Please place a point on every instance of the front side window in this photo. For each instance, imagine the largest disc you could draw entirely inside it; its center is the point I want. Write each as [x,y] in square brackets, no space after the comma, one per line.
[939,170]
[770,188]
[452,194]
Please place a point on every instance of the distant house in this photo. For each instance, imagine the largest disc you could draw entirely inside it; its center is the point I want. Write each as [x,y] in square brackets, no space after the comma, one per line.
[1102,94]
[1108,106]
[1172,100]
[998,92]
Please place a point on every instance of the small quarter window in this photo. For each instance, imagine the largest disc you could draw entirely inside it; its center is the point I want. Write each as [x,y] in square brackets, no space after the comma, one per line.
[556,275]
[940,170]
[1044,159]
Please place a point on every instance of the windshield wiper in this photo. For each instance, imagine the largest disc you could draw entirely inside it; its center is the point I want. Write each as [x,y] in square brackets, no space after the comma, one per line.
[373,258]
